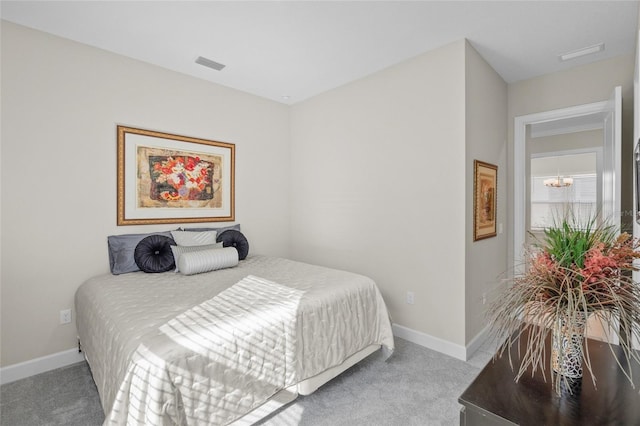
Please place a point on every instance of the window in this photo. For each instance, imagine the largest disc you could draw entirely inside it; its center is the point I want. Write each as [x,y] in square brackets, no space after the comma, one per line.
[548,204]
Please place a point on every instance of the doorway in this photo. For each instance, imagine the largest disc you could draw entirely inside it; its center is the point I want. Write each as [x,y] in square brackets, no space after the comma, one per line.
[606,116]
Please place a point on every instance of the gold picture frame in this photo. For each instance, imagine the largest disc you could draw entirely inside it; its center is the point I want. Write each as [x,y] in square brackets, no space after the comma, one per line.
[168,178]
[485,187]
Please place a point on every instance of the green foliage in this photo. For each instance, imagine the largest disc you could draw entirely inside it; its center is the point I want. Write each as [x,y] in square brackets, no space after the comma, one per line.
[569,241]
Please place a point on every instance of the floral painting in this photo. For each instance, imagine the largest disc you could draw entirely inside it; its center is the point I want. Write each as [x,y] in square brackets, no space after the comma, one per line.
[178,179]
[164,178]
[484,203]
[181,178]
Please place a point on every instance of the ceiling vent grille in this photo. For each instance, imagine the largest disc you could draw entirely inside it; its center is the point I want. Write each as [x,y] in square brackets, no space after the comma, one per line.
[589,50]
[209,63]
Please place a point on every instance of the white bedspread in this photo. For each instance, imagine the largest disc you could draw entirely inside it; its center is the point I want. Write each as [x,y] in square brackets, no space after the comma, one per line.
[170,349]
[214,362]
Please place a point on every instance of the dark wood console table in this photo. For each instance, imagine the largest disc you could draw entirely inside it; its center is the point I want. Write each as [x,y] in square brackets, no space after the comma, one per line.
[494,398]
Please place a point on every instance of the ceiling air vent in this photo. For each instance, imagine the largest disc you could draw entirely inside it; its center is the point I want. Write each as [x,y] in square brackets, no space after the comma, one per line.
[209,63]
[582,52]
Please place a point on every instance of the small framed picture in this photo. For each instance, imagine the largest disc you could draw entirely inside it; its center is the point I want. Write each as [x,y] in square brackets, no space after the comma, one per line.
[484,200]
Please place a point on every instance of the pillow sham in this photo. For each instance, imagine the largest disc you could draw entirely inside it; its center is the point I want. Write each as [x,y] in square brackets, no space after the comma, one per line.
[153,254]
[179,250]
[121,249]
[235,227]
[187,238]
[233,238]
[197,262]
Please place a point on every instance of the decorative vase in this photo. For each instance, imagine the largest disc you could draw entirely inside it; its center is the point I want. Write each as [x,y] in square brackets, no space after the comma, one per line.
[566,347]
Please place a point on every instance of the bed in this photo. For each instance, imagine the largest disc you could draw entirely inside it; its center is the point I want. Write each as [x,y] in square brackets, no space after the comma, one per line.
[228,346]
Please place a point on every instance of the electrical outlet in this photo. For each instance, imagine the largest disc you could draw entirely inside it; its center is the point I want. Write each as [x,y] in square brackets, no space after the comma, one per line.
[410,298]
[65,316]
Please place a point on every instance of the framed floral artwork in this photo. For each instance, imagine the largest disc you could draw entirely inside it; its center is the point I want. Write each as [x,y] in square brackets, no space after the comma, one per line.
[484,200]
[167,178]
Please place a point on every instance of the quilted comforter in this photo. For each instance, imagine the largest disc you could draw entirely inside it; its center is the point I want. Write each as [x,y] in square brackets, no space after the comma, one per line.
[206,349]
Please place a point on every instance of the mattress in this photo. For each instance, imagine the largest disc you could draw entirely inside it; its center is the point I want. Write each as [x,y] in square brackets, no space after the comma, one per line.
[325,318]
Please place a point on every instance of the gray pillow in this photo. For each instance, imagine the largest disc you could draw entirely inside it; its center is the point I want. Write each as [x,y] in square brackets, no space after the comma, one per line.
[178,250]
[220,230]
[184,238]
[153,254]
[235,239]
[197,262]
[122,248]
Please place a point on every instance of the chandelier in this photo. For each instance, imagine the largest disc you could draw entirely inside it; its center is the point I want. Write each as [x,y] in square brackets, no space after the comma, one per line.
[558,182]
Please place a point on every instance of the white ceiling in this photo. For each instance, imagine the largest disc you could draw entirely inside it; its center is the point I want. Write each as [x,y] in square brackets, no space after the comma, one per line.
[302,48]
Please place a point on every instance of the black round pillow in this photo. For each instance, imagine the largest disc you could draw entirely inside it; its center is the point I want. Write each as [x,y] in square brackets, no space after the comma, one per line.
[153,254]
[233,238]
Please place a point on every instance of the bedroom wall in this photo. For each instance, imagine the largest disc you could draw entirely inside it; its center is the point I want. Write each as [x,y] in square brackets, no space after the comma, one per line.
[566,141]
[580,85]
[486,140]
[374,176]
[379,186]
[61,102]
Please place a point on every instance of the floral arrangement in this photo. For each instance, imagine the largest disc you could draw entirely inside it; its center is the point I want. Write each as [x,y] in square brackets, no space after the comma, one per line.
[575,271]
[181,178]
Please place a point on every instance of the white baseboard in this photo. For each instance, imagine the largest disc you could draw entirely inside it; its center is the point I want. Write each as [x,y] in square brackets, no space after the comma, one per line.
[22,370]
[478,341]
[437,344]
[431,342]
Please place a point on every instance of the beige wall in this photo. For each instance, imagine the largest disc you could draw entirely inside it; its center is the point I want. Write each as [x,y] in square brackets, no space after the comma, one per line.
[61,102]
[565,142]
[378,186]
[374,177]
[486,140]
[580,85]
[382,184]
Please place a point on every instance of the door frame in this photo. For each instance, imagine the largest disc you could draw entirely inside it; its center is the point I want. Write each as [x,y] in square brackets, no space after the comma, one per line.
[519,167]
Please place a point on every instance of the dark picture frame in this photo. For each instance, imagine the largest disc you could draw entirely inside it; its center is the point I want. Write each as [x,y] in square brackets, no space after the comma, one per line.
[485,191]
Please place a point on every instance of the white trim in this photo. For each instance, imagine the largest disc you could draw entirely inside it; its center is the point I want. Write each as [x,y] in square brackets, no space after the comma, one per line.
[636,135]
[478,341]
[519,166]
[431,342]
[441,345]
[22,370]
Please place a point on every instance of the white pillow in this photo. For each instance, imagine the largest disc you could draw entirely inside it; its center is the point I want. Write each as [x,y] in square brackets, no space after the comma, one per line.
[196,262]
[188,238]
[178,250]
